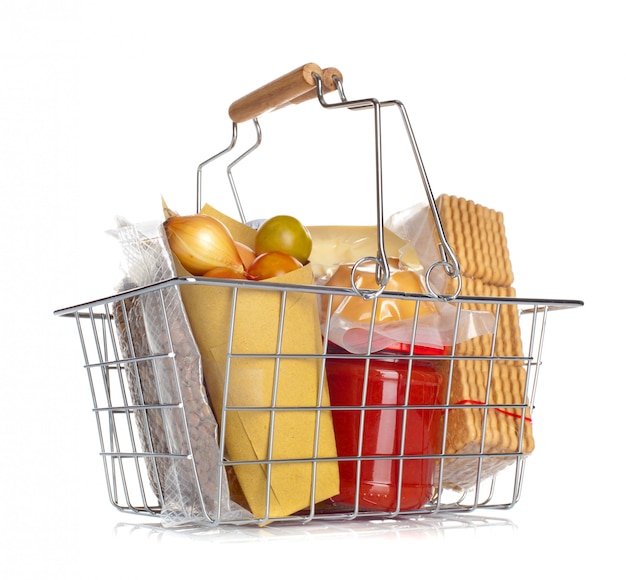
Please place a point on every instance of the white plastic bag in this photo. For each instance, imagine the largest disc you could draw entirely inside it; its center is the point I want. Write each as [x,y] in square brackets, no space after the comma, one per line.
[149,325]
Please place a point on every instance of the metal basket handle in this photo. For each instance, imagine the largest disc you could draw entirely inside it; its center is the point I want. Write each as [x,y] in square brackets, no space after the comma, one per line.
[301,85]
[295,87]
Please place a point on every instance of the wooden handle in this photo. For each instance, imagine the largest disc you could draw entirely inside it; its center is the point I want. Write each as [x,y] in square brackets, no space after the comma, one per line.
[328,82]
[274,94]
[328,78]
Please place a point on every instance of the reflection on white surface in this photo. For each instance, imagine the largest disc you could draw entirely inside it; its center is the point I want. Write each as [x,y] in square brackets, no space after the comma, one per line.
[415,528]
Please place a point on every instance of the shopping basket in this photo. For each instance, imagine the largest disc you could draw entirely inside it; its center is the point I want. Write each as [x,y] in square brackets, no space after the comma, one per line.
[335,433]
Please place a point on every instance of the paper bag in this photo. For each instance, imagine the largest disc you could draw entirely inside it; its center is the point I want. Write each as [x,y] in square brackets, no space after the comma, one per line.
[262,379]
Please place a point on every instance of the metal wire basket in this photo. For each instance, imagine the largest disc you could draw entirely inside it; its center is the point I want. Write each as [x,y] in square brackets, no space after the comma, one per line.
[403,430]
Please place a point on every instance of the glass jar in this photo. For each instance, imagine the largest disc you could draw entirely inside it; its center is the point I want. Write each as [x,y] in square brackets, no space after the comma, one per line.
[386,445]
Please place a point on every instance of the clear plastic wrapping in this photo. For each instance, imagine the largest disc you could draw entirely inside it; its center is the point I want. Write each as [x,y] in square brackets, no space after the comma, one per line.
[335,252]
[195,490]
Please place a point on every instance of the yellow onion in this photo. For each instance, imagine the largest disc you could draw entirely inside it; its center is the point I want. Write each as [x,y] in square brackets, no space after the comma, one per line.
[246,254]
[202,242]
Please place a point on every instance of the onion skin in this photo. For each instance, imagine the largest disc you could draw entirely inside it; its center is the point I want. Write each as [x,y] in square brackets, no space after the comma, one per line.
[224,272]
[272,264]
[202,242]
[246,253]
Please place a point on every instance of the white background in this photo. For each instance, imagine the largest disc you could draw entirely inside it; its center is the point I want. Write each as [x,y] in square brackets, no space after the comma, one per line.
[107,106]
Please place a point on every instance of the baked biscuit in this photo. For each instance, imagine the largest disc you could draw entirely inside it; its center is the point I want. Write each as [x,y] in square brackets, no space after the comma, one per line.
[488,369]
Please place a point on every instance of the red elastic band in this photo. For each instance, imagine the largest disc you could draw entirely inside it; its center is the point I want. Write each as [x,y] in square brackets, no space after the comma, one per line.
[503,411]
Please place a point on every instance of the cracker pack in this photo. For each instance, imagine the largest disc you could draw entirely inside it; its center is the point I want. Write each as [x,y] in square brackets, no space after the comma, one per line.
[478,237]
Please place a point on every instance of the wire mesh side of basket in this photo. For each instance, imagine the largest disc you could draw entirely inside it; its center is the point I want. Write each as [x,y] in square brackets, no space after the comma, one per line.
[489,470]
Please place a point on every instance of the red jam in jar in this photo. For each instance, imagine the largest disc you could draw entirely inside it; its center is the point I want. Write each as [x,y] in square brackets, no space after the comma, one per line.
[404,483]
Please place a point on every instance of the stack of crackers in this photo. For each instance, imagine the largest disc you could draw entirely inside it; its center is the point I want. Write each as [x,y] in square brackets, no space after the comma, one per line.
[490,438]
